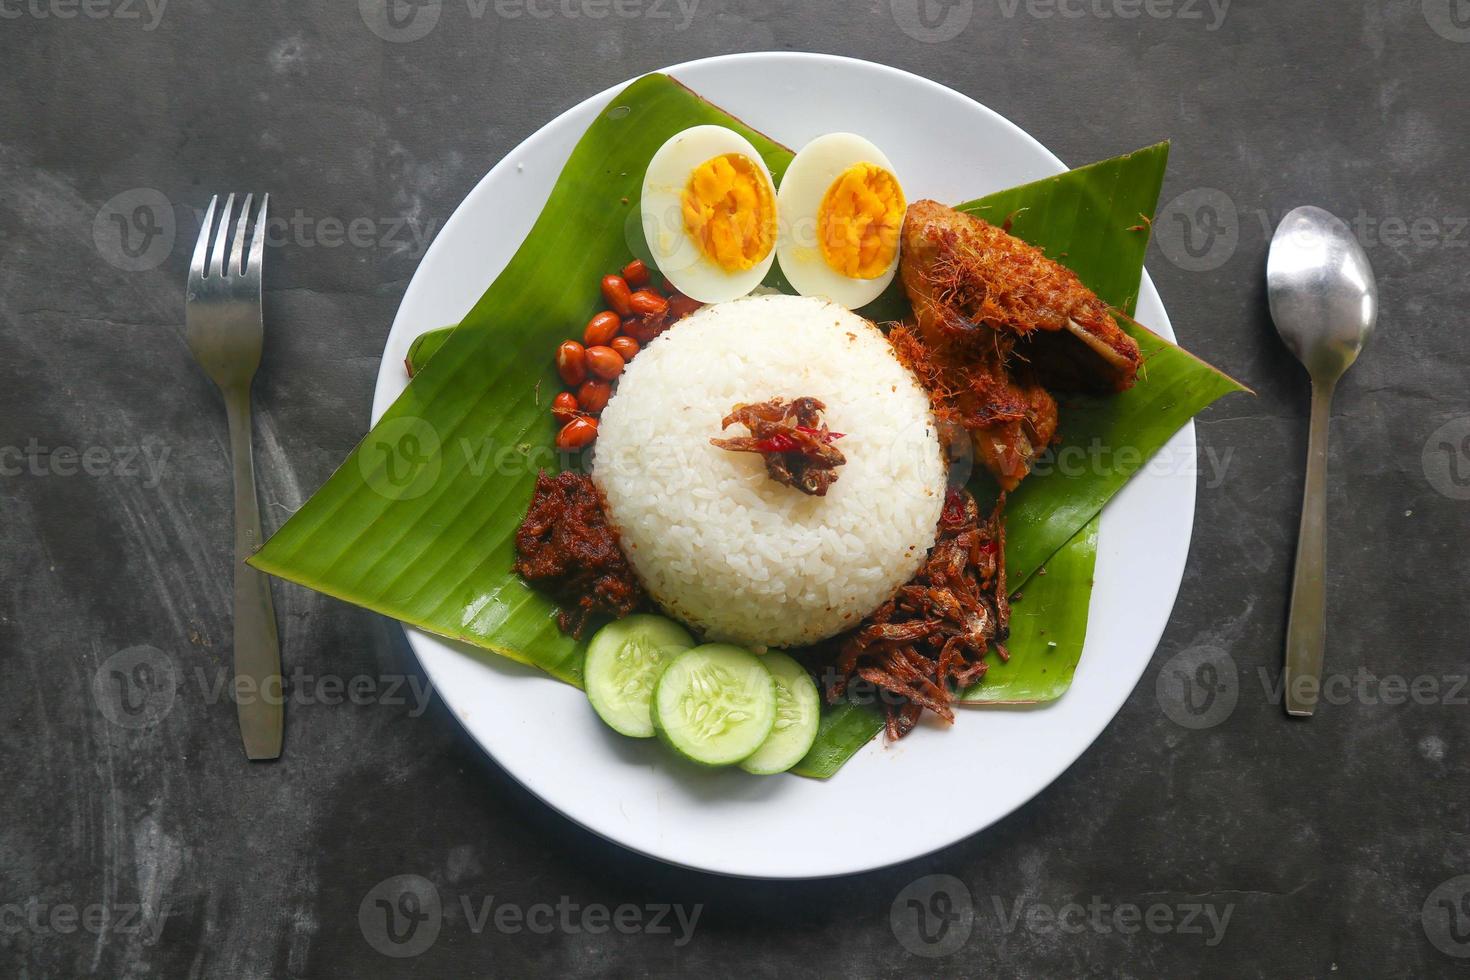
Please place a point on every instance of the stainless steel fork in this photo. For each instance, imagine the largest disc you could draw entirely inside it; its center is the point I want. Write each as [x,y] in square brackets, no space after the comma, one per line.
[225,331]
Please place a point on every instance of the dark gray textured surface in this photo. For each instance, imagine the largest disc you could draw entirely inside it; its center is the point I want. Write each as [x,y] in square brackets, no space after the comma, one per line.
[1333,845]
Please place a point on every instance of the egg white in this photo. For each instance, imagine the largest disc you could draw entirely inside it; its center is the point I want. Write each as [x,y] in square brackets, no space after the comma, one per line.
[678,256]
[799,201]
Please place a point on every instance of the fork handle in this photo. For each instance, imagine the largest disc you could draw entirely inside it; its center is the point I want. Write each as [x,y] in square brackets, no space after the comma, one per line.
[1306,627]
[258,694]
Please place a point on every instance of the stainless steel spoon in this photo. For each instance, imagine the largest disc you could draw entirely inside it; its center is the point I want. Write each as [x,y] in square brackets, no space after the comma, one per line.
[1325,303]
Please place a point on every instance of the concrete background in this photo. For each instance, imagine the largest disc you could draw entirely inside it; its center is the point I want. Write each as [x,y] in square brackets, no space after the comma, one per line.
[140,844]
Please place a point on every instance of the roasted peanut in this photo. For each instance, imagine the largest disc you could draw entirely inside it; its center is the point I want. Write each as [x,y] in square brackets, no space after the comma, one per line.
[615,291]
[571,362]
[604,362]
[602,328]
[593,396]
[648,303]
[635,274]
[626,347]
[564,407]
[577,434]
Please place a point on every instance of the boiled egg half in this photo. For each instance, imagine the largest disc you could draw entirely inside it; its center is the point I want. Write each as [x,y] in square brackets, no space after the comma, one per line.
[709,213]
[842,213]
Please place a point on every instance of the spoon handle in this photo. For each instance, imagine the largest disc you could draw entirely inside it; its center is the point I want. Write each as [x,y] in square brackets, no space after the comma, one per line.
[1306,629]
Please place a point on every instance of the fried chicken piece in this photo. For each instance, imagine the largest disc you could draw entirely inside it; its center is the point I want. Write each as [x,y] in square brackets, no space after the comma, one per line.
[1011,418]
[997,324]
[965,273]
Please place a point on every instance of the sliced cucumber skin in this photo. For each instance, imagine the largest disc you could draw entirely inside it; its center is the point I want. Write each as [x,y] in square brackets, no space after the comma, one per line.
[737,666]
[796,693]
[662,639]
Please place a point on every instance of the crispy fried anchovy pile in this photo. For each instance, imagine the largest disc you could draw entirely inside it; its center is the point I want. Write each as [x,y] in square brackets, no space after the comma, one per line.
[929,642]
[792,438]
[566,546]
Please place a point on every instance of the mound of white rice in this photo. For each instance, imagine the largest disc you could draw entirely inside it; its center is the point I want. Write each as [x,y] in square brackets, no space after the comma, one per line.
[718,543]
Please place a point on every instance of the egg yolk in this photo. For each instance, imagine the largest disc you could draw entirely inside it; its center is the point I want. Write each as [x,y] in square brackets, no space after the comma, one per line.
[859,220]
[730,212]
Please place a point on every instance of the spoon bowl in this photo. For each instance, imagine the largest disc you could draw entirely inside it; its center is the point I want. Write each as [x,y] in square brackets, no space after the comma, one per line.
[1321,289]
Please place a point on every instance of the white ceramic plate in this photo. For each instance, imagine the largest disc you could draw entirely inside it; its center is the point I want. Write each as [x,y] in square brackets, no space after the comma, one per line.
[944,146]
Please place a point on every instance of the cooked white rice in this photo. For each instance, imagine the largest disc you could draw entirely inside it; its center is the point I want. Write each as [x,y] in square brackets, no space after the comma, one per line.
[718,543]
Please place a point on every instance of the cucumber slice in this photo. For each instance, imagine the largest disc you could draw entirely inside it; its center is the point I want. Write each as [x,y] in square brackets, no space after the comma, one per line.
[798,710]
[623,662]
[714,704]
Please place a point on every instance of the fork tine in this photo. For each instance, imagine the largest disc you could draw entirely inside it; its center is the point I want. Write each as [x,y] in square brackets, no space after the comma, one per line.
[201,247]
[257,243]
[221,240]
[237,250]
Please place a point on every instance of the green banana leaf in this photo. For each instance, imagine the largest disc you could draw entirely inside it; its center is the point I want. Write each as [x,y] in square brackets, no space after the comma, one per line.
[425,346]
[418,523]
